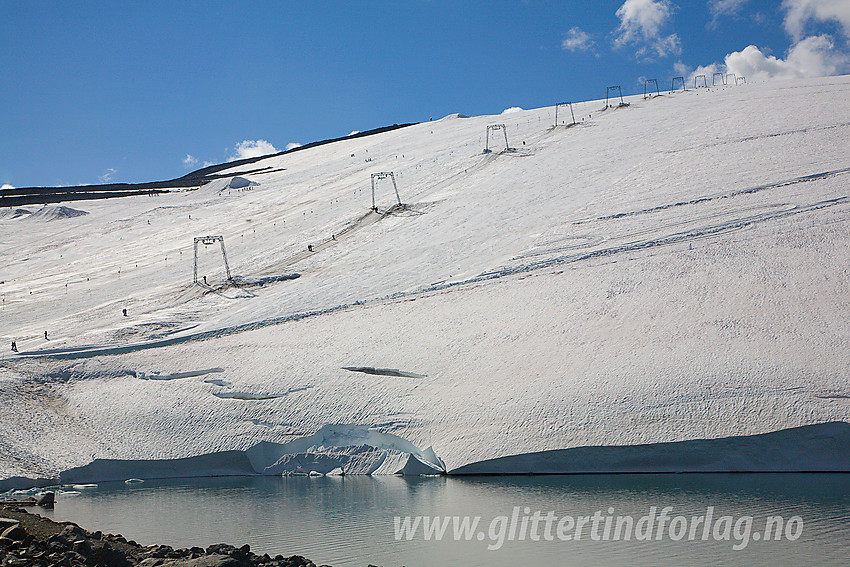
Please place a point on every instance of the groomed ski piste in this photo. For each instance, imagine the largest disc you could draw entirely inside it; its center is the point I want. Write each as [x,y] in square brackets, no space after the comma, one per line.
[661,287]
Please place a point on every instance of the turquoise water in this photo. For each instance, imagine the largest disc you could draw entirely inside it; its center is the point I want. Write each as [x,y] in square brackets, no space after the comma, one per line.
[351,521]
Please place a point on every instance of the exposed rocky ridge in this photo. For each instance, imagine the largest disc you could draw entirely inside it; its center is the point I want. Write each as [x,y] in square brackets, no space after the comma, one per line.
[18,196]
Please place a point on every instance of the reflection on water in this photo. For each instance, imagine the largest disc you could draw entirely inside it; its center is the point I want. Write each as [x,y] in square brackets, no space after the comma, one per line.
[350,521]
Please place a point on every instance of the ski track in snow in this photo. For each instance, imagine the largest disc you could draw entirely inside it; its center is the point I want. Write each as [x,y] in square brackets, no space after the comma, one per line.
[676,238]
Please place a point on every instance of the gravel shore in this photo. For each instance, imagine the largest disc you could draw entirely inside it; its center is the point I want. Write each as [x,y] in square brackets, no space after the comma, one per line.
[31,540]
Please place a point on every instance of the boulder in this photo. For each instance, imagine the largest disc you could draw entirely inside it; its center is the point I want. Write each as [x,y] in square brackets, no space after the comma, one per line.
[15,533]
[82,547]
[220,549]
[295,561]
[205,561]
[6,543]
[46,499]
[72,533]
[73,558]
[103,553]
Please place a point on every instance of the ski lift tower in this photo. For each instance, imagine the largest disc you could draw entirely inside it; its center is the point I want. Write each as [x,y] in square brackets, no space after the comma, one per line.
[673,83]
[572,114]
[646,83]
[495,128]
[378,177]
[619,92]
[714,79]
[704,82]
[208,241]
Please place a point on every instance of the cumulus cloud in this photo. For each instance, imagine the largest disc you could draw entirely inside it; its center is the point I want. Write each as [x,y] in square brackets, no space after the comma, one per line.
[707,71]
[292,146]
[189,160]
[800,12]
[252,148]
[812,57]
[6,186]
[108,174]
[577,40]
[809,56]
[641,22]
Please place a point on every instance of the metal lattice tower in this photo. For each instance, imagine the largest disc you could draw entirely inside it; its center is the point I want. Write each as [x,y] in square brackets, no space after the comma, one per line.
[646,84]
[207,241]
[572,114]
[704,81]
[619,92]
[673,83]
[379,176]
[496,128]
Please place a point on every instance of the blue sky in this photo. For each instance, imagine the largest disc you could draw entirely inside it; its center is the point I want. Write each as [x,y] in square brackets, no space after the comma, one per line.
[129,92]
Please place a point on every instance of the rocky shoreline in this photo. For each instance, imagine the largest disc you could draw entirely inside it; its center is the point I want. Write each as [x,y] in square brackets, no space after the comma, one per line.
[31,540]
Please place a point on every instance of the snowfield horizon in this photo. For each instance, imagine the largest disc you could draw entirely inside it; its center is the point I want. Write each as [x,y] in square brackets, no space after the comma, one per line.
[662,286]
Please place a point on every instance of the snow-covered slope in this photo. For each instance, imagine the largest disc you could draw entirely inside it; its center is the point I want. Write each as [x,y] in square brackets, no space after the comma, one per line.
[674,270]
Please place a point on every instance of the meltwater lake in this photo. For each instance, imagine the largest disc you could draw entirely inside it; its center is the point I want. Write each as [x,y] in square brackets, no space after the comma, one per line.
[716,519]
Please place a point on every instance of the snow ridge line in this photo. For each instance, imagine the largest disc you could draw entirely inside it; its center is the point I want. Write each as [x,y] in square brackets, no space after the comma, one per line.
[761,137]
[675,238]
[748,191]
[83,352]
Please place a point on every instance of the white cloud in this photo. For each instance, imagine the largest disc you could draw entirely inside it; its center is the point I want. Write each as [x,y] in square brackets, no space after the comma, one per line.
[208,163]
[107,176]
[669,45]
[800,12]
[577,40]
[7,186]
[353,132]
[812,57]
[189,160]
[252,148]
[292,146]
[719,8]
[641,22]
[708,71]
[809,56]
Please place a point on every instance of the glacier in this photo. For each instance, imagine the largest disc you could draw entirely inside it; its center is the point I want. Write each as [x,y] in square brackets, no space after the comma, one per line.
[662,287]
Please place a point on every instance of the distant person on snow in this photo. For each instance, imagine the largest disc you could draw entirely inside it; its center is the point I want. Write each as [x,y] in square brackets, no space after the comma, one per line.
[14,347]
[45,335]
[124,311]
